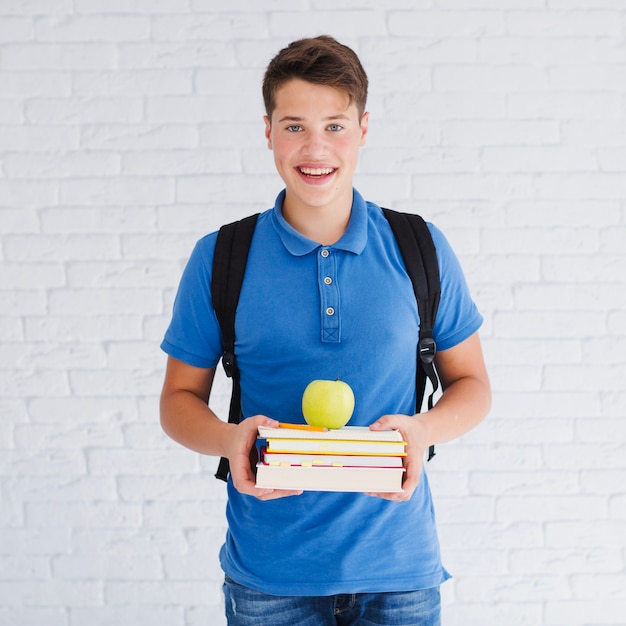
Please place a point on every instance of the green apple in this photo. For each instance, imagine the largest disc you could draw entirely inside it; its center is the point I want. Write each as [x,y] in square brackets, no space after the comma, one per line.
[327,403]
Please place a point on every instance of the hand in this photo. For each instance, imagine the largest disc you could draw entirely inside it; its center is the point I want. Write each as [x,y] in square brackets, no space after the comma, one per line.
[414,433]
[241,452]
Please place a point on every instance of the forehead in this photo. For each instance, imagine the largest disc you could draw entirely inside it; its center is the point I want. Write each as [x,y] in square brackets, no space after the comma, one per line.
[297,97]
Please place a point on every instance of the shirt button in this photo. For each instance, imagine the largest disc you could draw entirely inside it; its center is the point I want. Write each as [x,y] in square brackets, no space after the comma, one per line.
[330,311]
[328,280]
[325,253]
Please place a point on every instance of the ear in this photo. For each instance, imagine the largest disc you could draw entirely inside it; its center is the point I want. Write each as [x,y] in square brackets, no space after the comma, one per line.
[364,126]
[268,131]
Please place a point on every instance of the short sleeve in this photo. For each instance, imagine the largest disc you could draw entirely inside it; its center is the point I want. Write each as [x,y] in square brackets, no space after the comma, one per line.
[458,316]
[193,335]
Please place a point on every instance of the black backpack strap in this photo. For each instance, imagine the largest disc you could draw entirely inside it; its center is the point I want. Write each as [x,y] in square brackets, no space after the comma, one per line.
[420,257]
[229,266]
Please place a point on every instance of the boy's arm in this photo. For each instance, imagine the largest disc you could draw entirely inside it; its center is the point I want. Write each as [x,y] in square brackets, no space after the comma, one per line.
[465,401]
[187,418]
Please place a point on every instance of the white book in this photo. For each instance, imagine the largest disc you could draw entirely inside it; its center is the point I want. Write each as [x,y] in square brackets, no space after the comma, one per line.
[352,479]
[333,460]
[354,433]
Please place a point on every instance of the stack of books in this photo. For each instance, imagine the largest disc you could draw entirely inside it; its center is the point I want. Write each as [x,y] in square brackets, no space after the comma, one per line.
[353,458]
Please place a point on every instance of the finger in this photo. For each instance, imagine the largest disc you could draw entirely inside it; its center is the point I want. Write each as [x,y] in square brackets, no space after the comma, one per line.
[274,494]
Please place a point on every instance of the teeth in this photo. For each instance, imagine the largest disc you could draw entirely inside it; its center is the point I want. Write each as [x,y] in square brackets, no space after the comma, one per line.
[316,171]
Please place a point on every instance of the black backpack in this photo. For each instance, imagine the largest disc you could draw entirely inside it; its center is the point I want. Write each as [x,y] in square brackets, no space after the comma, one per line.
[418,251]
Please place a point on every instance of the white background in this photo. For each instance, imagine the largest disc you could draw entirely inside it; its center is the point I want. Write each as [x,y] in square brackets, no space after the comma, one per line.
[130,128]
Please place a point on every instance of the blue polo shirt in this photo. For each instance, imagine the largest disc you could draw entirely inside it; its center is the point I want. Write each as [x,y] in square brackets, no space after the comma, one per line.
[306,312]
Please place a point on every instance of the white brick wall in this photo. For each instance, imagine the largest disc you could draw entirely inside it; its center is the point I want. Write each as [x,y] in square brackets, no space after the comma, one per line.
[129,128]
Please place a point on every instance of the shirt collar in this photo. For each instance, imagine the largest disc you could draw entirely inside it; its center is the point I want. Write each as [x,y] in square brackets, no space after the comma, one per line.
[353,240]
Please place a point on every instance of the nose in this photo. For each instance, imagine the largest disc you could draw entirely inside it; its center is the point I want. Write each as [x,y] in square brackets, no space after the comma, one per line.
[314,147]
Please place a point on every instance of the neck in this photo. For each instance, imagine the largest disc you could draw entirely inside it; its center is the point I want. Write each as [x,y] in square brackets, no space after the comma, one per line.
[325,225]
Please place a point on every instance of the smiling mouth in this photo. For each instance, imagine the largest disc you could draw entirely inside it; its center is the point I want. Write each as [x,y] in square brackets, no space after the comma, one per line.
[316,172]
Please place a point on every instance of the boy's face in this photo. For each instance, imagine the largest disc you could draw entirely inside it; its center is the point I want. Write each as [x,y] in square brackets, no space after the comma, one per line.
[315,134]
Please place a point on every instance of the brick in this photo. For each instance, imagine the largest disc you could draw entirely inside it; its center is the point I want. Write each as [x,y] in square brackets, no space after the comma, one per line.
[550,324]
[182,162]
[444,24]
[481,613]
[38,138]
[69,165]
[136,83]
[396,52]
[175,55]
[40,275]
[577,612]
[113,616]
[528,351]
[351,24]
[29,194]
[124,541]
[509,50]
[586,456]
[123,191]
[512,589]
[67,221]
[28,382]
[541,159]
[99,567]
[524,483]
[125,7]
[554,23]
[35,84]
[121,301]
[22,542]
[51,593]
[583,508]
[588,214]
[138,137]
[125,383]
[60,488]
[600,377]
[51,436]
[429,160]
[103,28]
[442,107]
[492,78]
[23,302]
[547,404]
[84,111]
[199,109]
[16,29]
[195,513]
[59,56]
[604,268]
[564,561]
[139,462]
[36,7]
[162,594]
[95,514]
[538,240]
[602,481]
[50,248]
[27,356]
[589,106]
[80,328]
[500,132]
[33,615]
[211,27]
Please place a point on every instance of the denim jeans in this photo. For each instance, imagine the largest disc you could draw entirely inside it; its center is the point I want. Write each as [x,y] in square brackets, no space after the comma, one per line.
[247,607]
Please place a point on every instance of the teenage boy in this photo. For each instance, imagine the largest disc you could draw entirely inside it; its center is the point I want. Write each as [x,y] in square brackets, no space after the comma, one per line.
[326,295]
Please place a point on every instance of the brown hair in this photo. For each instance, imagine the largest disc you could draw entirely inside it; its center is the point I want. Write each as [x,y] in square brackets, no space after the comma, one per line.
[320,60]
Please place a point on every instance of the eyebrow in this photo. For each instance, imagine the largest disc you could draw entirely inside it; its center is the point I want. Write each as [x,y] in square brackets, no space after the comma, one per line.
[293,118]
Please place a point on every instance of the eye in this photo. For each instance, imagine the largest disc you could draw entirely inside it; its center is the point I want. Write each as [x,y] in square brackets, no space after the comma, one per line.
[335,127]
[294,128]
